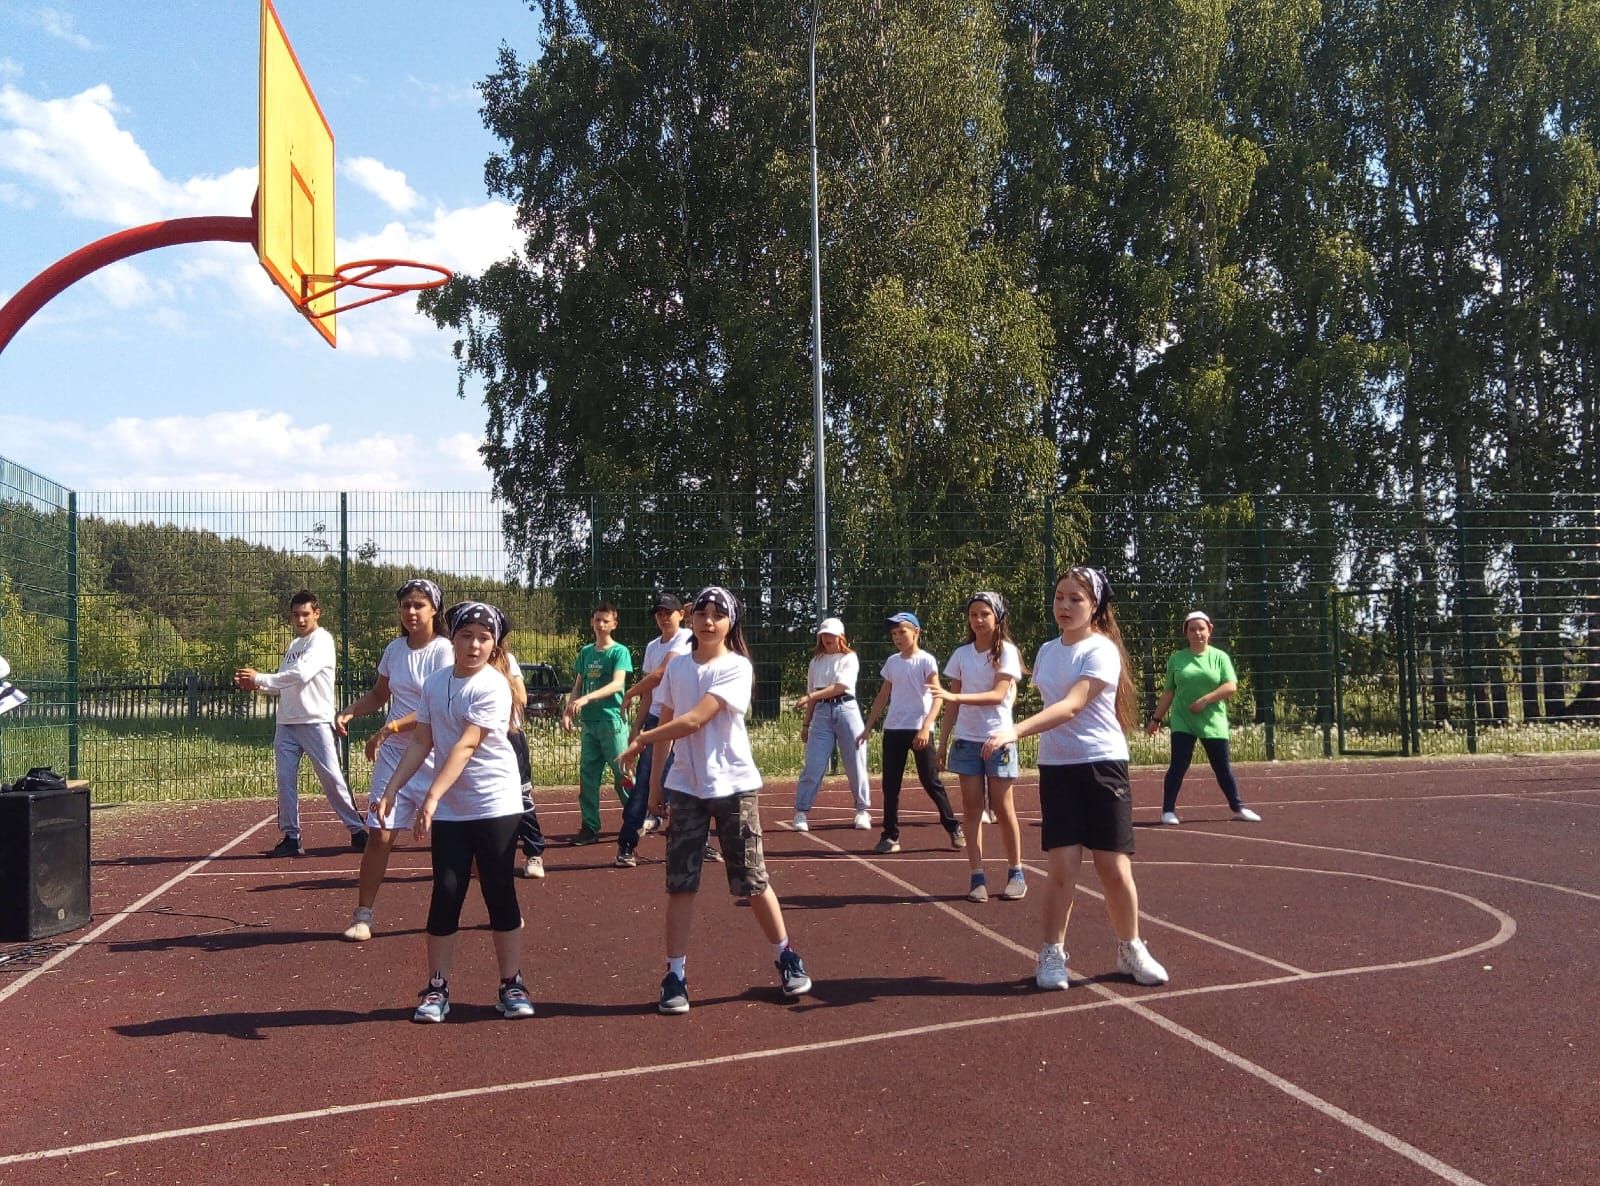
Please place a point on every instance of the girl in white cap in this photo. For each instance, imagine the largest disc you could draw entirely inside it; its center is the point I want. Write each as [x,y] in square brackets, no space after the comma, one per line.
[983,674]
[1200,679]
[833,721]
[1084,797]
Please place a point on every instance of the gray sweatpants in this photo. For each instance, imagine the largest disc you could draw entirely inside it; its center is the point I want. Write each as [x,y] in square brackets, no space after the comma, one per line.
[316,743]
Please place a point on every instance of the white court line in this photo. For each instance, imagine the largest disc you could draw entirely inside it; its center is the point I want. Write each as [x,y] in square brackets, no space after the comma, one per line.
[1324,1107]
[1387,856]
[20,982]
[1106,998]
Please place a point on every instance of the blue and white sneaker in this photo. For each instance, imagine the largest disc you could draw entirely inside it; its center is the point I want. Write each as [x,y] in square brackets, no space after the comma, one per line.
[792,972]
[435,1004]
[674,994]
[514,1001]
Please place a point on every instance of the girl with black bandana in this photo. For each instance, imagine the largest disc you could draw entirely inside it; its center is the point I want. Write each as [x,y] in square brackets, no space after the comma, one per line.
[473,803]
[407,661]
[1089,705]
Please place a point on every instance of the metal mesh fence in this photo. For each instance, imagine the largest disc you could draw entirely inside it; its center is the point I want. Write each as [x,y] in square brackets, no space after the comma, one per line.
[38,580]
[1358,625]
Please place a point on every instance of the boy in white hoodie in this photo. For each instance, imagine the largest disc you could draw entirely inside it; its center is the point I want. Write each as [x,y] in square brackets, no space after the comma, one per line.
[303,684]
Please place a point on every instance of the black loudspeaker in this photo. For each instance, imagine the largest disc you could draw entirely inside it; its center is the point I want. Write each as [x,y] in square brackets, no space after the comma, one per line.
[44,862]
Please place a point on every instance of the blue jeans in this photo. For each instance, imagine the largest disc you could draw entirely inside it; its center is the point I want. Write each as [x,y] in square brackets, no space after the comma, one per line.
[638,804]
[834,723]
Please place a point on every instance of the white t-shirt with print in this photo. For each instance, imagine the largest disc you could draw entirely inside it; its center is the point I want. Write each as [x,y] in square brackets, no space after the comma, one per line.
[1094,735]
[656,652]
[716,761]
[977,673]
[842,667]
[908,680]
[490,786]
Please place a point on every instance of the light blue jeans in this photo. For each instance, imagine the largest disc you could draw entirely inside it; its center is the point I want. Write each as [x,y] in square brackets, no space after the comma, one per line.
[834,724]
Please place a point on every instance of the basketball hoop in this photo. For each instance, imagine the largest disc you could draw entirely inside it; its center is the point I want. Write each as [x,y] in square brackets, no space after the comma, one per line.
[360,274]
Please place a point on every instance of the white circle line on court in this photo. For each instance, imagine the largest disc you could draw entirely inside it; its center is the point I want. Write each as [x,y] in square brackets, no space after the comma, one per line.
[120,916]
[1139,1006]
[1105,998]
[1388,856]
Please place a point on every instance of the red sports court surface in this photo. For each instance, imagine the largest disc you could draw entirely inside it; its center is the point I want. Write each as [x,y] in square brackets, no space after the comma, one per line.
[1390,979]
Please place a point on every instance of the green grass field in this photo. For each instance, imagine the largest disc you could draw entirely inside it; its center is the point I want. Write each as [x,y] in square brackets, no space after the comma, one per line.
[142,763]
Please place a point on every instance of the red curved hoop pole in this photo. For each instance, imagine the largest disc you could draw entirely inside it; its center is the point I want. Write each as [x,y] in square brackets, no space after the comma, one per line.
[67,271]
[359,273]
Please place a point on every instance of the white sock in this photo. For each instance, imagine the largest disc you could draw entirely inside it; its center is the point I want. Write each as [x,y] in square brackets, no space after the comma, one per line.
[779,948]
[675,964]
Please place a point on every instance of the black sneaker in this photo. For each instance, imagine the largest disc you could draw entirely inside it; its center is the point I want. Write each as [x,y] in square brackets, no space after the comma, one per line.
[358,841]
[289,846]
[625,859]
[674,995]
[585,836]
[792,972]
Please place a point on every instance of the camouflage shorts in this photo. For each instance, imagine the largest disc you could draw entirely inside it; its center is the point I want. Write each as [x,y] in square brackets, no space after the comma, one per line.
[738,835]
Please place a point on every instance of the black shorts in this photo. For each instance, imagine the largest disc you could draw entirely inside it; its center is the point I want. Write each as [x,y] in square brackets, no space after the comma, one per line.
[1087,803]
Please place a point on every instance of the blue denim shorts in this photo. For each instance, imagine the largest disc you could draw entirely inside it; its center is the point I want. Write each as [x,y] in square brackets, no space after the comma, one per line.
[966,757]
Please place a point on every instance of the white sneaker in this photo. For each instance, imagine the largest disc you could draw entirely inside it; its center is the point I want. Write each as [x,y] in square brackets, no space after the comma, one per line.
[652,823]
[534,868]
[1170,817]
[1248,816]
[800,824]
[863,821]
[989,816]
[1134,959]
[360,928]
[1052,971]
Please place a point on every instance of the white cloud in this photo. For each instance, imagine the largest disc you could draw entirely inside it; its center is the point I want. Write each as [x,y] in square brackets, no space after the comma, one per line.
[125,287]
[252,449]
[63,26]
[387,185]
[74,149]
[10,69]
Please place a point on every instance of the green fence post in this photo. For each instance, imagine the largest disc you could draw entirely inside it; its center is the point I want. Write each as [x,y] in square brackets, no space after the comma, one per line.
[73,737]
[1269,705]
[1464,600]
[1049,551]
[1414,657]
[594,545]
[1400,612]
[342,684]
[1335,675]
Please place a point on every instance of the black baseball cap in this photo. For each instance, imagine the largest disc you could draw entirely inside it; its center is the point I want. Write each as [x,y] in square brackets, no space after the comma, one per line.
[664,601]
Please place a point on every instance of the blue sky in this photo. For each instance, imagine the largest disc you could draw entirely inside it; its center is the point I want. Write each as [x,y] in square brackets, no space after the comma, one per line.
[183,368]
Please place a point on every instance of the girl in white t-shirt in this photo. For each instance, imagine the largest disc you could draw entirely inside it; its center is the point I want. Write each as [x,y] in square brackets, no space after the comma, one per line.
[983,674]
[833,721]
[419,651]
[1089,705]
[705,697]
[907,708]
[473,803]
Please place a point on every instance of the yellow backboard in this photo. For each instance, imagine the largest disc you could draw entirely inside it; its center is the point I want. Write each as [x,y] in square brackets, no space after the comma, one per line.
[294,205]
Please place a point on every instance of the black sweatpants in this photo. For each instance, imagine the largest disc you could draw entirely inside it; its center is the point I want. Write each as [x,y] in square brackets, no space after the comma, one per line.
[896,745]
[1183,753]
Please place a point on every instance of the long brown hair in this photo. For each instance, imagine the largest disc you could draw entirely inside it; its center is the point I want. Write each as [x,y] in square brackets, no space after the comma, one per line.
[844,646]
[519,690]
[1002,632]
[1104,621]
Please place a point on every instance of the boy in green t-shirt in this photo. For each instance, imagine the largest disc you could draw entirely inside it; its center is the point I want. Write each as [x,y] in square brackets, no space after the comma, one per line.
[601,671]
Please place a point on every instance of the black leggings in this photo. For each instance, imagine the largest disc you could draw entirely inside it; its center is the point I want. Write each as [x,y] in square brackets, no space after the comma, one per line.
[896,745]
[456,844]
[528,829]
[1183,754]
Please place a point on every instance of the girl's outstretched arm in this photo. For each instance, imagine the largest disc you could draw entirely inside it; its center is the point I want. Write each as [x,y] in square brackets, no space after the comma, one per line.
[1048,718]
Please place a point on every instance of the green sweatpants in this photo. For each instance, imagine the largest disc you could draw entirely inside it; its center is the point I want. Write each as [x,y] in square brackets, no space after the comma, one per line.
[602,741]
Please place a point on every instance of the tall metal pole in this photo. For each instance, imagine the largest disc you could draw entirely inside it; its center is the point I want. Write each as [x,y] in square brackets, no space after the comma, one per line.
[820,479]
